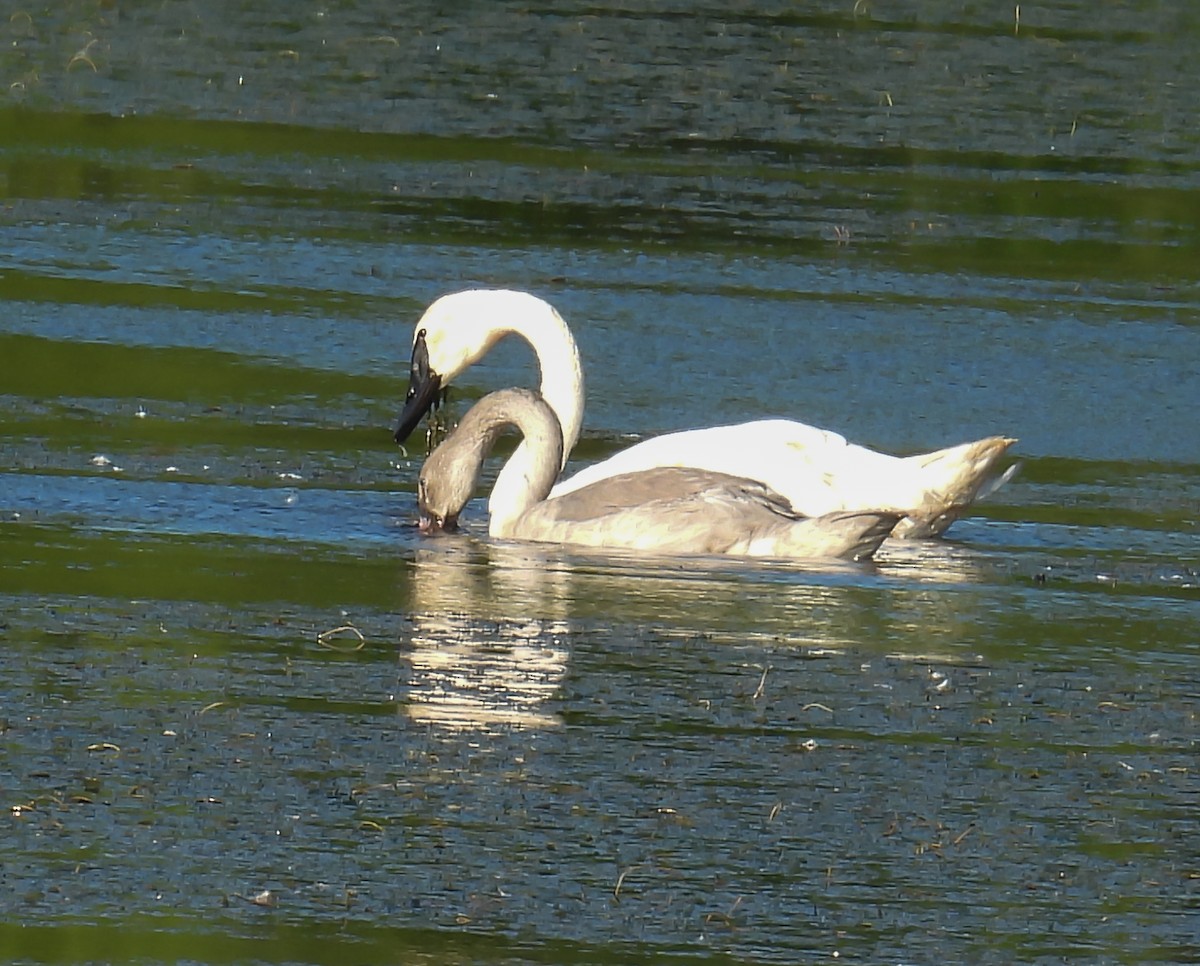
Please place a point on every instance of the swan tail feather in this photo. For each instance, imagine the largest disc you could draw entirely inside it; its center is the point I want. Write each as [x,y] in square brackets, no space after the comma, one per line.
[953,479]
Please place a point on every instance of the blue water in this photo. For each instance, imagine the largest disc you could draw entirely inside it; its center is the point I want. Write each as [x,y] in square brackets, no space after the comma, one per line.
[250,713]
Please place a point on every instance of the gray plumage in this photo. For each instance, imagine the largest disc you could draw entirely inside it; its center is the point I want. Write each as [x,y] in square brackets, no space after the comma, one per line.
[671,510]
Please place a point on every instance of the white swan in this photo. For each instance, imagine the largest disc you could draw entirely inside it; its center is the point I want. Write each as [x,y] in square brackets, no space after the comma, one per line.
[671,510]
[817,471]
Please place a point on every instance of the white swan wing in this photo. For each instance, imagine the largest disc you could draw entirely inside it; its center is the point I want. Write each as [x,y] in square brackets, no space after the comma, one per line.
[819,472]
[787,456]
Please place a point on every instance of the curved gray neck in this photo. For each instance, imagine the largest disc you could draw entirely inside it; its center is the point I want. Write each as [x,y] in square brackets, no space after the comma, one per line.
[536,461]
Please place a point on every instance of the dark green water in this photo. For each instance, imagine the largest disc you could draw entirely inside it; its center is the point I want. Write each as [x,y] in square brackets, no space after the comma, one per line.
[218,223]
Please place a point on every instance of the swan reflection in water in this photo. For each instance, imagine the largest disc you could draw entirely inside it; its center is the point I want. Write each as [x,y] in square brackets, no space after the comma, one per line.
[487,648]
[494,624]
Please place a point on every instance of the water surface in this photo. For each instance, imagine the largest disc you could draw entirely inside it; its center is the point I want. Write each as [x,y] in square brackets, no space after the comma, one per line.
[249,714]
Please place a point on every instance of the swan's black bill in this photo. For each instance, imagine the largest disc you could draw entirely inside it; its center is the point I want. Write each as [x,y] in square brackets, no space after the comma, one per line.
[424,391]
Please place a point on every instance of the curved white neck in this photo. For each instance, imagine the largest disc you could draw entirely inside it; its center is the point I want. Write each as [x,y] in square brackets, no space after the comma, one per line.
[558,359]
[561,386]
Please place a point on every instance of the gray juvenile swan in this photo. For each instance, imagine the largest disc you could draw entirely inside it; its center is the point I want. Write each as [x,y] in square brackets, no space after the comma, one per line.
[671,510]
[815,470]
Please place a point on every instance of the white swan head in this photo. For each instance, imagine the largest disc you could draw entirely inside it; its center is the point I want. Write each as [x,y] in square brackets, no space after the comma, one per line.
[457,330]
